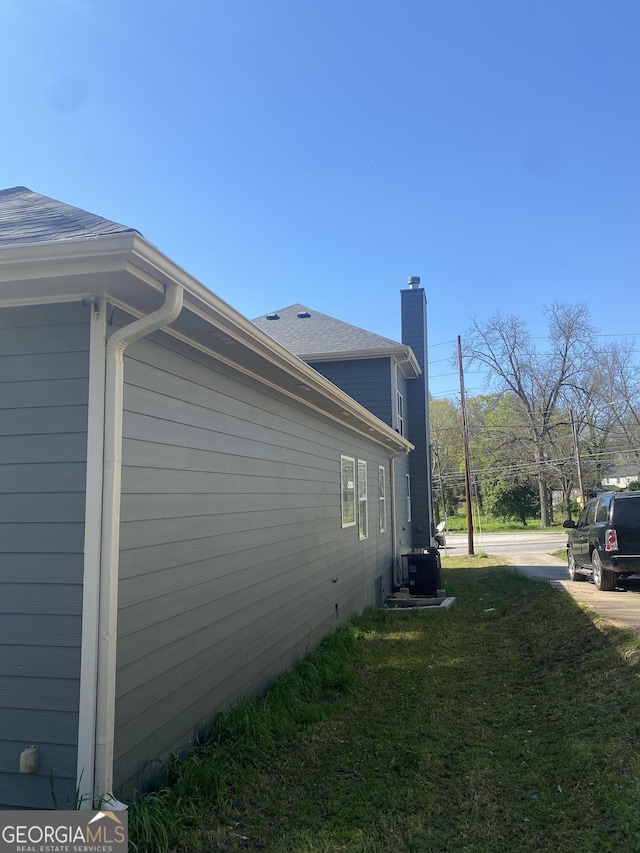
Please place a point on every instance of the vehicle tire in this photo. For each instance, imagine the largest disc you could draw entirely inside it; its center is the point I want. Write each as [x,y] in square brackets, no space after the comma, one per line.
[604,579]
[574,574]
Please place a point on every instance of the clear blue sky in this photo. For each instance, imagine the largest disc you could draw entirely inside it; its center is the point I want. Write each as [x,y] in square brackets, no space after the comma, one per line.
[321,151]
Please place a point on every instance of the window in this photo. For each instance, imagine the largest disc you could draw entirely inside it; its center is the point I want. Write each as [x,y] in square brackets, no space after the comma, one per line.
[363,524]
[382,501]
[408,498]
[400,407]
[348,493]
[602,512]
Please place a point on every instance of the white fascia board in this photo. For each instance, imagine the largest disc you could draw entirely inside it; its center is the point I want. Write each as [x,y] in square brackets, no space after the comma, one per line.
[403,356]
[65,257]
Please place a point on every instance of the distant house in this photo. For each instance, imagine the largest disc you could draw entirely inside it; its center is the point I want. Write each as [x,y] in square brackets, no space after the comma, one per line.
[186,507]
[620,475]
[388,378]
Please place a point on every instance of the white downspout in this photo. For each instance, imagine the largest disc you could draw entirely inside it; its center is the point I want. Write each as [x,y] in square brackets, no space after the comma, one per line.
[108,616]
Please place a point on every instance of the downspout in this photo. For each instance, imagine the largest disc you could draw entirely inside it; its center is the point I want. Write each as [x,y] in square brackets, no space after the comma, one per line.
[108,614]
[394,530]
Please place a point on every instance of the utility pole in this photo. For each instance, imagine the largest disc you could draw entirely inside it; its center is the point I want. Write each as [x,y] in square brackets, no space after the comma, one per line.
[574,430]
[465,444]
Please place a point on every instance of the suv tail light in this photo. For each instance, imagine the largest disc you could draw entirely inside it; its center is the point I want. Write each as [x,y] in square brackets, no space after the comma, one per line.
[611,541]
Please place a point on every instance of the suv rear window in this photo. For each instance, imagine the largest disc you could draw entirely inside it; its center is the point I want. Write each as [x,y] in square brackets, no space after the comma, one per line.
[627,511]
[602,513]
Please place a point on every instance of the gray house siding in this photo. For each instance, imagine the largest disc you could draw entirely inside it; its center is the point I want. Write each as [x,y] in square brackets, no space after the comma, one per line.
[43,414]
[233,561]
[403,525]
[367,380]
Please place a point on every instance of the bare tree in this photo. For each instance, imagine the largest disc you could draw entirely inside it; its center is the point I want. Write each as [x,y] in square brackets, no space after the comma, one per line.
[537,378]
[618,393]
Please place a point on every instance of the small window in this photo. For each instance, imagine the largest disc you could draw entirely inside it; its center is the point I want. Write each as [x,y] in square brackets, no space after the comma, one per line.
[400,414]
[602,513]
[382,500]
[591,511]
[408,498]
[363,523]
[348,490]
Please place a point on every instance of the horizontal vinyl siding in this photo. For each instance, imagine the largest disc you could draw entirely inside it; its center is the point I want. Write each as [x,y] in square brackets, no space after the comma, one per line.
[43,412]
[403,526]
[233,562]
[367,380]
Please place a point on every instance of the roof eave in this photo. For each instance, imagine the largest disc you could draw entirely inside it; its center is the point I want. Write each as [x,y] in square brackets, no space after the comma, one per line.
[130,271]
[403,356]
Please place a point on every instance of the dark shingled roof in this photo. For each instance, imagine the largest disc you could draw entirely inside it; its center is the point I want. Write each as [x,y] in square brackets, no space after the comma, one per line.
[306,332]
[28,217]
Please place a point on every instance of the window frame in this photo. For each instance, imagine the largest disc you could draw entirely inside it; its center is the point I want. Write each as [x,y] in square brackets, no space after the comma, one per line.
[400,412]
[363,505]
[382,499]
[408,497]
[349,490]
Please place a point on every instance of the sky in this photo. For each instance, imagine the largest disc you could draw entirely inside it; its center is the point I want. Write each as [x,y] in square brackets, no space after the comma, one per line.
[322,151]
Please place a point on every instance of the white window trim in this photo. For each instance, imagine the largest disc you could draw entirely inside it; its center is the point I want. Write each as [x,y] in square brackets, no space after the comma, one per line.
[382,499]
[400,412]
[363,506]
[351,489]
[408,497]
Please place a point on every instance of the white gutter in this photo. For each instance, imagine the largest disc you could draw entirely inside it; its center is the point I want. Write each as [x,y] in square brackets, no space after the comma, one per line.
[401,354]
[108,617]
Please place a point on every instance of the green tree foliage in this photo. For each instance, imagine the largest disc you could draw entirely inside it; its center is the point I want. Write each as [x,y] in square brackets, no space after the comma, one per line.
[448,462]
[511,499]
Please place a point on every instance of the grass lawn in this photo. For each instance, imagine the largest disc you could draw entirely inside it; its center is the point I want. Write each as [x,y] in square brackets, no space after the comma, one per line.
[489,524]
[510,722]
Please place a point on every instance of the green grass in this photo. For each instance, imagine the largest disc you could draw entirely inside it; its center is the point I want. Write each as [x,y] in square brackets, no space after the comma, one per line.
[510,722]
[488,524]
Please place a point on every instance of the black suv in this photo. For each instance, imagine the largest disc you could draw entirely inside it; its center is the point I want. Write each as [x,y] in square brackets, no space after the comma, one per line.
[605,542]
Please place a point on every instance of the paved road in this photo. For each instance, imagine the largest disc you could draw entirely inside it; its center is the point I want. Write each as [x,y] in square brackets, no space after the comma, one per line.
[531,553]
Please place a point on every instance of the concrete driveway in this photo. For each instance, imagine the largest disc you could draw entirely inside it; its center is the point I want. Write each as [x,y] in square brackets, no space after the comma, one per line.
[531,554]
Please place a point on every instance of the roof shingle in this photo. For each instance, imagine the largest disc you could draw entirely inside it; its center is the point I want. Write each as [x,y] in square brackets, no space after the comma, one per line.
[28,217]
[304,332]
